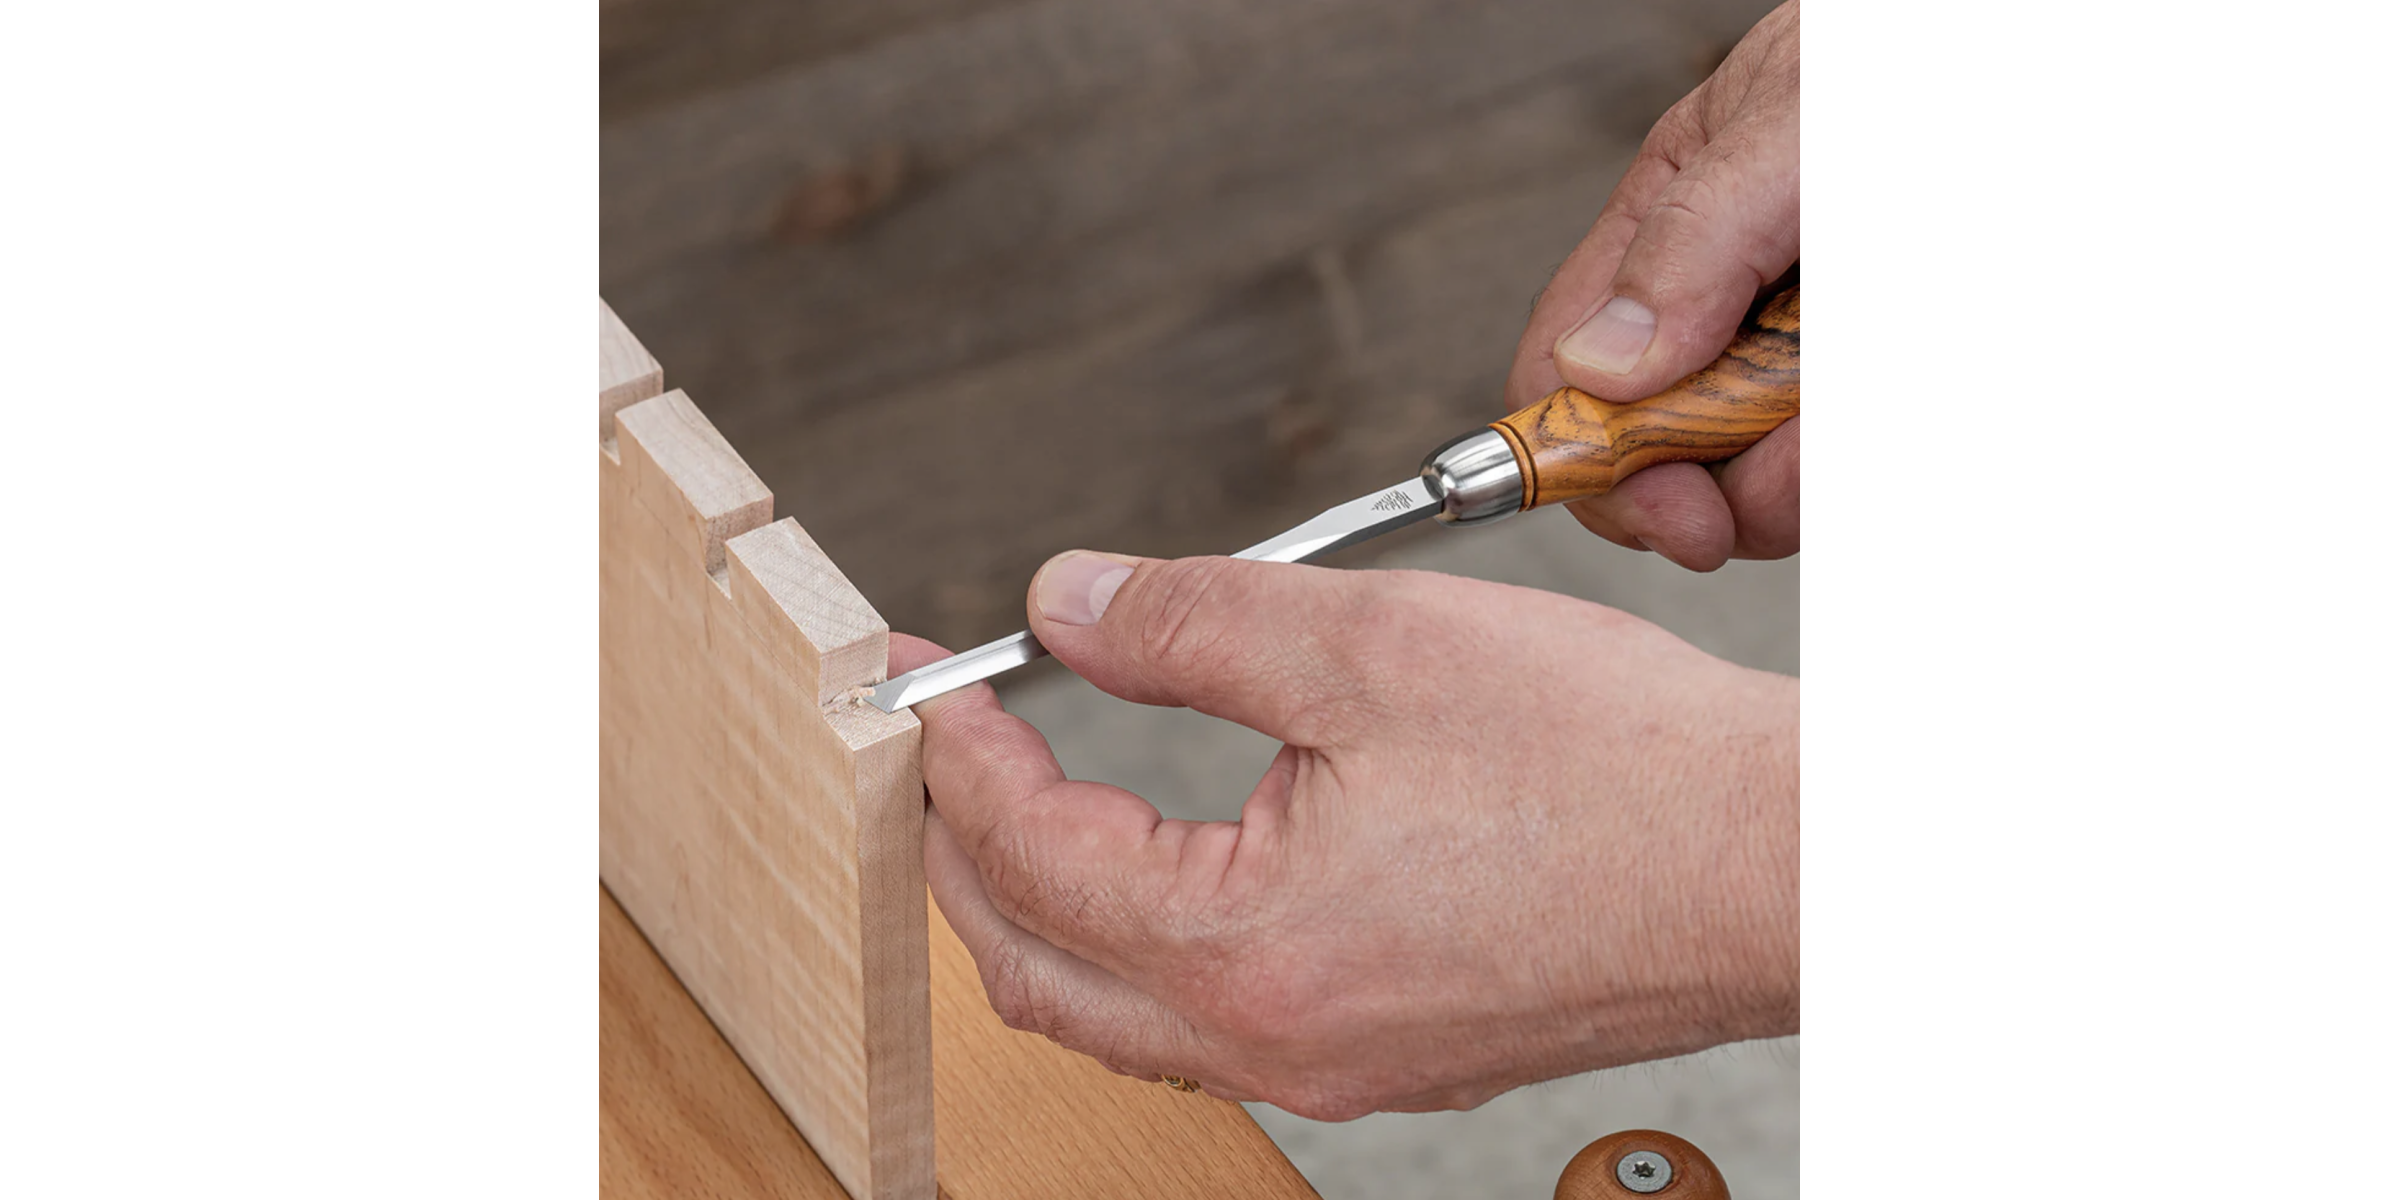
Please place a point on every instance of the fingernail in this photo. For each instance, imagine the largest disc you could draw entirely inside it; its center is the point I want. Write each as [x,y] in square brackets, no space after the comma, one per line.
[1075,588]
[1611,341]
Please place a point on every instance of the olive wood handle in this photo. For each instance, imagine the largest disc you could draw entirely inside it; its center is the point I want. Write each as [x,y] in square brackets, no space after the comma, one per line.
[1592,1175]
[1572,445]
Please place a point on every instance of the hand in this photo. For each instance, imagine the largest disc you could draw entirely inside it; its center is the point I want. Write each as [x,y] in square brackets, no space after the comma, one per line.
[1706,218]
[1511,836]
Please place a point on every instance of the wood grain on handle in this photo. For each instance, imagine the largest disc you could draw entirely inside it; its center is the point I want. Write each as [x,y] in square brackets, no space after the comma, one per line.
[1592,1175]
[1572,445]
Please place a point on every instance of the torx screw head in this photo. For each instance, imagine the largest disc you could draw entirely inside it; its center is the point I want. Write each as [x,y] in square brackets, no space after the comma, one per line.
[1644,1171]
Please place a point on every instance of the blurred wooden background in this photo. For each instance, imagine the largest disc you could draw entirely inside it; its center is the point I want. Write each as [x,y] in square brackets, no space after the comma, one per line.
[969,282]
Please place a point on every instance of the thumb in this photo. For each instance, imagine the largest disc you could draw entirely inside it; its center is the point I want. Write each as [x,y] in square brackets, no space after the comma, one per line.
[1725,227]
[1267,645]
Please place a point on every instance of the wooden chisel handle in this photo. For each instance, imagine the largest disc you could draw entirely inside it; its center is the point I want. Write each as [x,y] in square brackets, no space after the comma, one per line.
[1571,445]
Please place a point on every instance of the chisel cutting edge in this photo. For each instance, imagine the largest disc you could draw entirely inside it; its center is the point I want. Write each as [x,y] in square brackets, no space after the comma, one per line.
[1568,445]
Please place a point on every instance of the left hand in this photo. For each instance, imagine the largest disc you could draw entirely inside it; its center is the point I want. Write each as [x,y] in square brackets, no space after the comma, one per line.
[1510,836]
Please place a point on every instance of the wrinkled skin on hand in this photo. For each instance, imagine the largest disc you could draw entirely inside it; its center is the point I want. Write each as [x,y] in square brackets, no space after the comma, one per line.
[1706,218]
[1510,836]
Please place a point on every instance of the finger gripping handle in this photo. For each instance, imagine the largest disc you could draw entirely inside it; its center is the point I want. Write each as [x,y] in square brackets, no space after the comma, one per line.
[1572,445]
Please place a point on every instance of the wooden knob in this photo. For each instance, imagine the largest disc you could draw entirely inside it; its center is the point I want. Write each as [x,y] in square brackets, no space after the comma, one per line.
[1572,445]
[1594,1174]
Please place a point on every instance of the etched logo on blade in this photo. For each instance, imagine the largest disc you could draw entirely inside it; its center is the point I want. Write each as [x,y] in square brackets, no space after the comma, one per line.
[1394,500]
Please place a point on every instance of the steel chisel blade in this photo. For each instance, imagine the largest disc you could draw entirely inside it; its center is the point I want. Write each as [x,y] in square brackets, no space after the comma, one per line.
[1372,515]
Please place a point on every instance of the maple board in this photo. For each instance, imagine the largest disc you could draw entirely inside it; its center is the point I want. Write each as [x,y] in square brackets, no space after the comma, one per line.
[679,1114]
[764,829]
[767,841]
[1014,1115]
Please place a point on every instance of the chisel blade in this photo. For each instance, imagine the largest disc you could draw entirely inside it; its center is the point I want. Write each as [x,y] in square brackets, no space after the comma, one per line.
[1372,515]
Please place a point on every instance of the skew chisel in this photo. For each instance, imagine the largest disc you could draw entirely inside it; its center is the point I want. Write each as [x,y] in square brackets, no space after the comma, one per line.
[1568,445]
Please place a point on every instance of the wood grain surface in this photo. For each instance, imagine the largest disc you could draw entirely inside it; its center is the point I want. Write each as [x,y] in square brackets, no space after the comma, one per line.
[767,845]
[1224,262]
[1016,1115]
[1592,1173]
[1571,445]
[1020,1118]
[628,375]
[679,1113]
[765,832]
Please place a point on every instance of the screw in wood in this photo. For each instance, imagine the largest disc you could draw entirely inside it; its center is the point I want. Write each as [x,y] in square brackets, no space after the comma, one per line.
[1644,1171]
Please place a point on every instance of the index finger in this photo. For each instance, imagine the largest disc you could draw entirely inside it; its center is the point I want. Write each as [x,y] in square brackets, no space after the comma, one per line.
[1089,868]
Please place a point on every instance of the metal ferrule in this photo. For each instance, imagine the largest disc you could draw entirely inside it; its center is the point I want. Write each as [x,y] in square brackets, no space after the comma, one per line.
[1475,477]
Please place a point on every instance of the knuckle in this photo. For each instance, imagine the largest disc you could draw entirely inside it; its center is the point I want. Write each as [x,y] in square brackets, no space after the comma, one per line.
[1677,223]
[1011,983]
[1677,133]
[1693,197]
[1178,624]
[1011,890]
[1023,893]
[1720,231]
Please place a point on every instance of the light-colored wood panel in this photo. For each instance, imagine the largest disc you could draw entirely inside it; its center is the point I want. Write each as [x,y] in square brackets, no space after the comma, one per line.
[707,495]
[764,828]
[784,584]
[679,1114]
[1017,1116]
[628,375]
[768,849]
[895,1043]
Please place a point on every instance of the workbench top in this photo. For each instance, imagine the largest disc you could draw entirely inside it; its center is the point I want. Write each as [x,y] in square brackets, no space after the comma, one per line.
[1014,1114]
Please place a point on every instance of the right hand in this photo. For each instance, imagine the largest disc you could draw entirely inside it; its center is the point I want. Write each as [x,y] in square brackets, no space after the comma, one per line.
[1706,218]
